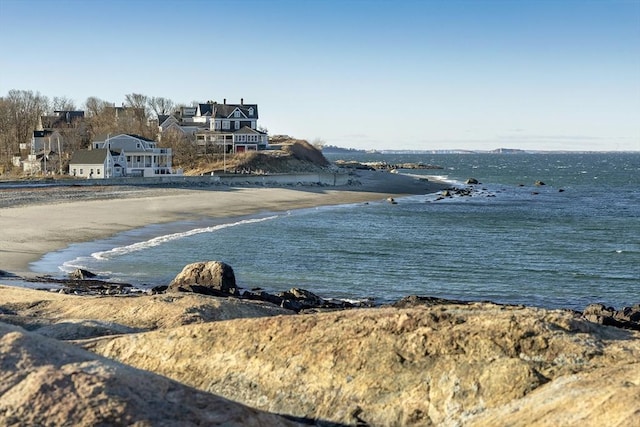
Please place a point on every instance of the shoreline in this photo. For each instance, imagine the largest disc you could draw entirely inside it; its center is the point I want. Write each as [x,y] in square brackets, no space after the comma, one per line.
[51,218]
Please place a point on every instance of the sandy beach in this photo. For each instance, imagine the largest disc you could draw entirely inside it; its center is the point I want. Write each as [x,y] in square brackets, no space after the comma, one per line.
[37,221]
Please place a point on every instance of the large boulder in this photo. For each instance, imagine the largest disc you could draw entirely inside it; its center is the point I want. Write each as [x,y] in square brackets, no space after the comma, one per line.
[431,364]
[209,278]
[47,382]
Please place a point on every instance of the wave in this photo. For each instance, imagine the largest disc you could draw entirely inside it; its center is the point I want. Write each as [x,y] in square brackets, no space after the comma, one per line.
[157,241]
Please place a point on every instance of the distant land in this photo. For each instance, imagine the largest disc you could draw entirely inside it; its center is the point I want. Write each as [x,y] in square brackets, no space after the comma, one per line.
[331,149]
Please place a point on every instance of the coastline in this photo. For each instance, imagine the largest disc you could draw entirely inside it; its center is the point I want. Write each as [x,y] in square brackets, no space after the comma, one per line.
[54,217]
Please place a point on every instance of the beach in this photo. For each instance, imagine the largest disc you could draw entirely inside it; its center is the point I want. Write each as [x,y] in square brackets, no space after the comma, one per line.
[35,221]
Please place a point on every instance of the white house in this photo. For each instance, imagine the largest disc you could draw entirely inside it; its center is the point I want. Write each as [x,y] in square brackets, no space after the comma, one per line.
[143,157]
[98,163]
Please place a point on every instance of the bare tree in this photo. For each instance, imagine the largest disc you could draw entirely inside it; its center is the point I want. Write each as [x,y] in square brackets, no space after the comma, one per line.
[6,147]
[95,106]
[183,147]
[160,105]
[23,109]
[62,103]
[137,101]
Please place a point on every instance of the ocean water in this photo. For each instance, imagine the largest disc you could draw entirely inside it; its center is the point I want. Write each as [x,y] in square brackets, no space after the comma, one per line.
[571,242]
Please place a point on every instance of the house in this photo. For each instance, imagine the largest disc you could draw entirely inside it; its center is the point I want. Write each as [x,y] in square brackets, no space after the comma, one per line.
[232,126]
[143,157]
[43,161]
[98,163]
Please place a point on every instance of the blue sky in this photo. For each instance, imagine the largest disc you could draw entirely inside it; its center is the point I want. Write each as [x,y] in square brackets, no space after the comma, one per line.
[373,74]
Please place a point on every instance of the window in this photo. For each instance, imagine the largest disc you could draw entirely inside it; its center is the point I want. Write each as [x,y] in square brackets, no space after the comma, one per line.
[236,113]
[81,171]
[237,125]
[98,172]
[225,124]
[251,111]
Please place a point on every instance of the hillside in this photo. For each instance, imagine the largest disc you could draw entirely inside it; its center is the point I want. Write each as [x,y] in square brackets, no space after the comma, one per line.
[292,156]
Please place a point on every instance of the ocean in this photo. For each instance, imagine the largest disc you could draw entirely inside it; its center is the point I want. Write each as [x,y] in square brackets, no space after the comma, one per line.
[566,244]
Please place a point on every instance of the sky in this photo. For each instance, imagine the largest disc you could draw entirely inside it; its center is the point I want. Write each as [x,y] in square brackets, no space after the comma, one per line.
[366,74]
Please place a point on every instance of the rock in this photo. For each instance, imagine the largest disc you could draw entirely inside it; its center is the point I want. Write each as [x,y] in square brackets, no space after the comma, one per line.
[392,200]
[446,364]
[210,278]
[627,317]
[47,382]
[471,181]
[629,314]
[80,317]
[80,274]
[305,297]
[539,183]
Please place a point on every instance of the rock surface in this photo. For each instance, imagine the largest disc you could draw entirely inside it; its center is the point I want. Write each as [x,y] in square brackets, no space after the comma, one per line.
[60,384]
[76,317]
[467,364]
[425,361]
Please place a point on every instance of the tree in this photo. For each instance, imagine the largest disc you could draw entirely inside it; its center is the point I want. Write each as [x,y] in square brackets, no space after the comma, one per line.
[100,117]
[184,150]
[161,106]
[138,102]
[62,103]
[21,111]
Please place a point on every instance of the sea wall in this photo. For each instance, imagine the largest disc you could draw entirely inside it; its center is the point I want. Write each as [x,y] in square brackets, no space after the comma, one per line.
[326,179]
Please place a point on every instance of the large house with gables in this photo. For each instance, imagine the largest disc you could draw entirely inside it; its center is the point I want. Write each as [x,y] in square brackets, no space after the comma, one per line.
[122,155]
[232,128]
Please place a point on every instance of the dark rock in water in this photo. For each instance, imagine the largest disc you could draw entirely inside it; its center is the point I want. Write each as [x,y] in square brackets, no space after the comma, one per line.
[540,183]
[629,314]
[627,318]
[561,190]
[307,298]
[261,295]
[6,274]
[471,181]
[80,274]
[159,289]
[210,278]
[415,300]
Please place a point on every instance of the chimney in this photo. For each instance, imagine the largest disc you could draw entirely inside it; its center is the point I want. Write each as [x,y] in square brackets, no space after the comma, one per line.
[241,101]
[224,101]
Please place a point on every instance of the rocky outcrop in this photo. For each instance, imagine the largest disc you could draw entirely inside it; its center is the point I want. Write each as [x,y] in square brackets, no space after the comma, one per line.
[451,364]
[209,278]
[76,317]
[627,317]
[47,382]
[301,300]
[80,274]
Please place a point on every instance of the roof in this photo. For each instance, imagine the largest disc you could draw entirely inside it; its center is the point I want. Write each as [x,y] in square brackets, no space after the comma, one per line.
[89,157]
[223,111]
[248,130]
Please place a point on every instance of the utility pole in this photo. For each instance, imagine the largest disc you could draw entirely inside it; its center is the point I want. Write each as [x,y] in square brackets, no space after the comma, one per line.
[59,157]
